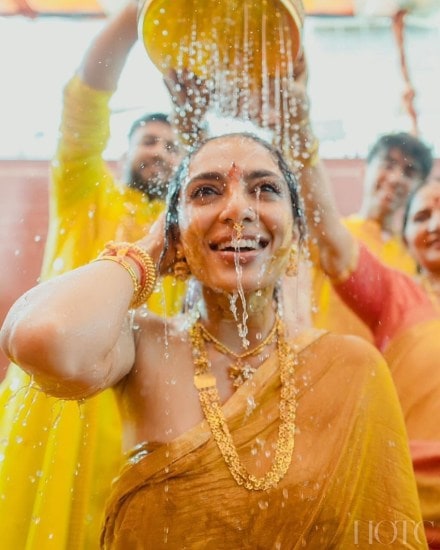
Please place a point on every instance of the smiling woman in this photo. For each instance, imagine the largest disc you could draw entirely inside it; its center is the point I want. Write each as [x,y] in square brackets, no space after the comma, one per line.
[215,459]
[251,191]
[421,231]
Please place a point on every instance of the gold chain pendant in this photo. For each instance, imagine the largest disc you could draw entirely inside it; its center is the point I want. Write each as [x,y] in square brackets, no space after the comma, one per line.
[205,383]
[240,371]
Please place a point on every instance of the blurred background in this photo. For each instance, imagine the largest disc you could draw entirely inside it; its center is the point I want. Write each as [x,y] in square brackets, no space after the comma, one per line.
[356,86]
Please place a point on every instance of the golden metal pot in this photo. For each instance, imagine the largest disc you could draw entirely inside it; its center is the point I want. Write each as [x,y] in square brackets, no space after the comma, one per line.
[248,39]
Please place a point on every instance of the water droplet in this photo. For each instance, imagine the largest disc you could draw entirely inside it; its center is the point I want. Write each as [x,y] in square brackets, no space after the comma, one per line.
[58,264]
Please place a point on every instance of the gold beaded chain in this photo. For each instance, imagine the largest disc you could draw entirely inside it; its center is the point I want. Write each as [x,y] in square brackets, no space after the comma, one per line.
[206,385]
[239,372]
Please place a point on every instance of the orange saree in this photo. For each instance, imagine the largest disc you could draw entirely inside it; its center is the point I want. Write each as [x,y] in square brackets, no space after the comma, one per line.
[406,328]
[350,482]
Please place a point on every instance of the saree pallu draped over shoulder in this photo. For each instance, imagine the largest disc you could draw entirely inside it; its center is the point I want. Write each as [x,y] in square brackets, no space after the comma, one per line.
[350,479]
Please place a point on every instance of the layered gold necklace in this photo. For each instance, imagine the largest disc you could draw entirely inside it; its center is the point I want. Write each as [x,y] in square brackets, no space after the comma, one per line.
[240,371]
[206,385]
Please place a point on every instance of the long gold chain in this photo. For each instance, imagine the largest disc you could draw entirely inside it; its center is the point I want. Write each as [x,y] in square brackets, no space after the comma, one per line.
[239,371]
[206,384]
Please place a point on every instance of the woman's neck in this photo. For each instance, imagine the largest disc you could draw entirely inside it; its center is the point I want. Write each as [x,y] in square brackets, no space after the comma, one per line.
[431,283]
[432,277]
[240,322]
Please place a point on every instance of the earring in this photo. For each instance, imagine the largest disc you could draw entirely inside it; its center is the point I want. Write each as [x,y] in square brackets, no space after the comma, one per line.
[292,266]
[181,268]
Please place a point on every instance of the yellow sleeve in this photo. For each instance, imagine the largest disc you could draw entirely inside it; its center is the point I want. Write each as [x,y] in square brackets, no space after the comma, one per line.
[83,193]
[78,167]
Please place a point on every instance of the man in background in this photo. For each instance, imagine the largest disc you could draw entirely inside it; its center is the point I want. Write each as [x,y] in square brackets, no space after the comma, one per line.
[58,458]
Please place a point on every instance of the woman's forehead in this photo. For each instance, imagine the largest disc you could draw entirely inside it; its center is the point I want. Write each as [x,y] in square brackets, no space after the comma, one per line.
[220,155]
[427,194]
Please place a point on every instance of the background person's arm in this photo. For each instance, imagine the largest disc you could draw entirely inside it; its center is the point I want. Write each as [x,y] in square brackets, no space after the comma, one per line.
[106,56]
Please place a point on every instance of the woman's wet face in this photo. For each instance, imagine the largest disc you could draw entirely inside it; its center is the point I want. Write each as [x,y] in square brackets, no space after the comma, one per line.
[422,231]
[235,218]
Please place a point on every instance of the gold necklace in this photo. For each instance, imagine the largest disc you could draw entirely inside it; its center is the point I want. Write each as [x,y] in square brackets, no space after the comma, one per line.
[240,371]
[206,385]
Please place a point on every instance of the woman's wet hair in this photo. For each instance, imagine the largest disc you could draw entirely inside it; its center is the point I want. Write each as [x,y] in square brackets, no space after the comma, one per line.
[175,185]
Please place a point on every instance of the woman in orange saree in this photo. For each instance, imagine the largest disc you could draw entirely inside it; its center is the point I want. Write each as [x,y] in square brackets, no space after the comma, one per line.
[242,429]
[403,315]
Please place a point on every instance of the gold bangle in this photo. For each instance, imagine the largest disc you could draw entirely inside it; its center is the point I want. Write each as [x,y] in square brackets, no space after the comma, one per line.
[150,280]
[144,262]
[128,269]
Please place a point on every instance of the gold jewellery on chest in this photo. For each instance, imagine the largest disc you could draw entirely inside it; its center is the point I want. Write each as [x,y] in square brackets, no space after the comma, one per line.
[240,371]
[206,385]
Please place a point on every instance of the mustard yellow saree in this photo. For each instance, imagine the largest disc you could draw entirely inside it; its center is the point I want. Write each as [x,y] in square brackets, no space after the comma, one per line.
[350,483]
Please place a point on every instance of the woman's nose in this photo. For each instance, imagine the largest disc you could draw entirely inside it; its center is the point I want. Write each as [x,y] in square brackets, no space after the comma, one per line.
[238,207]
[434,221]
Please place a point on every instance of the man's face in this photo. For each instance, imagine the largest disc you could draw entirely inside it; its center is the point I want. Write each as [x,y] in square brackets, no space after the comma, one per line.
[389,179]
[153,155]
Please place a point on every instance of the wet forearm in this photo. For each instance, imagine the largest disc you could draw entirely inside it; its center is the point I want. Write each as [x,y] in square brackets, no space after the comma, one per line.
[333,241]
[72,330]
[104,60]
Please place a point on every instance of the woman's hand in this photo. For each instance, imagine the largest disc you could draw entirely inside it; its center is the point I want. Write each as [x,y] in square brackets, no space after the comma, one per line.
[190,96]
[154,244]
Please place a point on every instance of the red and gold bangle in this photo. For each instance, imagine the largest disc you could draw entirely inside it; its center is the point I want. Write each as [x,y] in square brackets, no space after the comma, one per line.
[144,286]
[126,266]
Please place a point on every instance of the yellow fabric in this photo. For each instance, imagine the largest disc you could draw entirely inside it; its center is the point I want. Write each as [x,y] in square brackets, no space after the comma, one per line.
[57,458]
[426,461]
[413,358]
[350,475]
[330,312]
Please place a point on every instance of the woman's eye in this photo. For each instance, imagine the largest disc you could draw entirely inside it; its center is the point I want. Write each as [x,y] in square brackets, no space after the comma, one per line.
[204,191]
[421,217]
[268,187]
